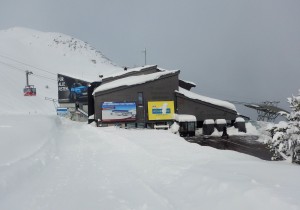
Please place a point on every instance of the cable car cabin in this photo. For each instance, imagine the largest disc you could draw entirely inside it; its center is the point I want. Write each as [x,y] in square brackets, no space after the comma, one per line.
[29,90]
[187,124]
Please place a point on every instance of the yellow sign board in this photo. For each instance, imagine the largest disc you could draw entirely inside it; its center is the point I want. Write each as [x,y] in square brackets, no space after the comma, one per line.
[161,110]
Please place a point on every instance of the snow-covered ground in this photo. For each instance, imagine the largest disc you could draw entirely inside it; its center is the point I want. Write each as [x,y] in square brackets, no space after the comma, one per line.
[48,162]
[59,164]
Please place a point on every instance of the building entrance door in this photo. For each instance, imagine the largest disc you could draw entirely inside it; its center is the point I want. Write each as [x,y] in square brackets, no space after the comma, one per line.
[140,114]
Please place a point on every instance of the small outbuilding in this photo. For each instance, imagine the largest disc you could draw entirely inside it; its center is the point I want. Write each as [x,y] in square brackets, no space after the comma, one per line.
[208,127]
[220,124]
[187,124]
[240,124]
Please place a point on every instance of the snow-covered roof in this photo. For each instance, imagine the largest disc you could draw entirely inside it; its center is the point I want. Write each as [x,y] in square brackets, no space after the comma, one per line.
[239,119]
[132,80]
[209,122]
[189,82]
[206,99]
[82,77]
[136,69]
[185,118]
[220,121]
[161,69]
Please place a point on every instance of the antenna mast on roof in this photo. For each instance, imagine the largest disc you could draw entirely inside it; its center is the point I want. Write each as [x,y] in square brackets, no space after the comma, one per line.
[145,51]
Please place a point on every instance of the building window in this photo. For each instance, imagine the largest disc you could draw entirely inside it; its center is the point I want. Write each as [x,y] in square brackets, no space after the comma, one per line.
[140,99]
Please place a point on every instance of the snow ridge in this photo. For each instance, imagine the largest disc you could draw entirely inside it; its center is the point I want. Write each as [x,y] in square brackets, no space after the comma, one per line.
[65,43]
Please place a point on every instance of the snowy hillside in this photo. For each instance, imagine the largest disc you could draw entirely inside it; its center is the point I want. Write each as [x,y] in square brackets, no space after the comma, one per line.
[48,162]
[45,54]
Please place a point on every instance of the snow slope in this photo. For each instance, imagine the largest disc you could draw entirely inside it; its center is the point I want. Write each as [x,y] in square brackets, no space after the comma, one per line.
[47,162]
[45,54]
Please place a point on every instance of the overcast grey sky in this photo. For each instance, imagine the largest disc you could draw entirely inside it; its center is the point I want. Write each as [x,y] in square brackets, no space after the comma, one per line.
[243,50]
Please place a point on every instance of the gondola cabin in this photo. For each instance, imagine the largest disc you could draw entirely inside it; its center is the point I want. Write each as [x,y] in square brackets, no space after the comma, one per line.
[29,90]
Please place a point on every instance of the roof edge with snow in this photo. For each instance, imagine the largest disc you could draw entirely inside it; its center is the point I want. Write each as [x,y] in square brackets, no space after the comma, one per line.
[128,72]
[134,80]
[206,99]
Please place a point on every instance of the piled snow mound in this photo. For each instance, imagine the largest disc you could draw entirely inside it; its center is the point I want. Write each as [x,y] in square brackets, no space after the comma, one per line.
[45,54]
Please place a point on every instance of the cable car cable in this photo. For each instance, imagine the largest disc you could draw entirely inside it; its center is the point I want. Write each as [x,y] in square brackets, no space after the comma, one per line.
[42,77]
[26,64]
[19,69]
[16,68]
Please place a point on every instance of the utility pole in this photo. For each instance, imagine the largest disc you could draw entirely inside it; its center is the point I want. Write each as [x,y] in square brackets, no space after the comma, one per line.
[27,79]
[145,51]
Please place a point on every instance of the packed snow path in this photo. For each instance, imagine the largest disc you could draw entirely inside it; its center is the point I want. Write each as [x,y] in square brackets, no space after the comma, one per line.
[72,165]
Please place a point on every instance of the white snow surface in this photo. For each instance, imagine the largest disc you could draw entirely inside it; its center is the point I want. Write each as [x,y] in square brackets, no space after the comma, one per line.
[206,99]
[70,165]
[48,162]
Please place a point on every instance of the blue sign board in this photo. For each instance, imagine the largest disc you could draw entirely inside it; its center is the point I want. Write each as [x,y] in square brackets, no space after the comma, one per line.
[62,111]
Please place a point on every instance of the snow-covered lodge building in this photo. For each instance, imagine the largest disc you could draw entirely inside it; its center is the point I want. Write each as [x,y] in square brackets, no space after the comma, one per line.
[149,96]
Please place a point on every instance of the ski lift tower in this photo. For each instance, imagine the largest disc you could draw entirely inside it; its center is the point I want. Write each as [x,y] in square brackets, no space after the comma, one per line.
[29,90]
[267,110]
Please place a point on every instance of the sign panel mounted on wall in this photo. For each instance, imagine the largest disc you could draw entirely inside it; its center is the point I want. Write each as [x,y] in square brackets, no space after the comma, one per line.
[161,110]
[118,112]
[71,90]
